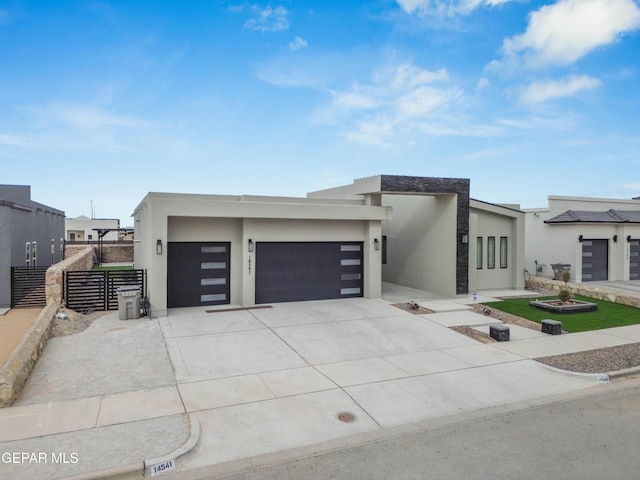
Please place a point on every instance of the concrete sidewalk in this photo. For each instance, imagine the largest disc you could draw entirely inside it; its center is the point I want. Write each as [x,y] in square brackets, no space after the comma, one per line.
[213,390]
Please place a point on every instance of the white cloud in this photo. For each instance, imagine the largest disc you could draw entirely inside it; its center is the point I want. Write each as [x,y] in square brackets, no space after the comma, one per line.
[446,8]
[566,31]
[268,19]
[400,100]
[84,117]
[541,91]
[298,43]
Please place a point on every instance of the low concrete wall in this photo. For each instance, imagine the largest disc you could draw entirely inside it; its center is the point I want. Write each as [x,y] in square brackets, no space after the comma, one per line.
[16,371]
[81,260]
[584,289]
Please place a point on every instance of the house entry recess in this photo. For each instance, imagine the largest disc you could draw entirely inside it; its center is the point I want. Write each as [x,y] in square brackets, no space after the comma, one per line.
[298,271]
[198,273]
[595,260]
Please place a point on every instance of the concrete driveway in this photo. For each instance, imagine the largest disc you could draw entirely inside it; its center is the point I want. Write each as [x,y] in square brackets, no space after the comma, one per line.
[264,380]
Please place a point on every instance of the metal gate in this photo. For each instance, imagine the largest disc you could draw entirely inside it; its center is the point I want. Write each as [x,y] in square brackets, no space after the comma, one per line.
[27,287]
[98,289]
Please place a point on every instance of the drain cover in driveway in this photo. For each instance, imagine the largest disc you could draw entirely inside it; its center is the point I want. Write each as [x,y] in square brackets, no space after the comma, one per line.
[346,417]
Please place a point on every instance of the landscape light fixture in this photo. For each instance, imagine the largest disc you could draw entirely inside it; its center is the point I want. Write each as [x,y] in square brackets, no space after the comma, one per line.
[250,245]
[159,247]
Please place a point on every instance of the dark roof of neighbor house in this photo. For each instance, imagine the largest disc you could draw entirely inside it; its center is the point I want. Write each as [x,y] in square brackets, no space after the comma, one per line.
[587,216]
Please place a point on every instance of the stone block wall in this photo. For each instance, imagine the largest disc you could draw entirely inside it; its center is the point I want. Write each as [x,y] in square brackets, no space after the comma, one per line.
[16,370]
[80,260]
[586,290]
[122,253]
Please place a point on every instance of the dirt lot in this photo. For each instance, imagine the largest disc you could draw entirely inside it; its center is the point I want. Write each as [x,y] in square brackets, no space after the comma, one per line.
[13,327]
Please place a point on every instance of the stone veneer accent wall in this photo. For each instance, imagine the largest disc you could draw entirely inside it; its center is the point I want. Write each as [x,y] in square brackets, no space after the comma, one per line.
[81,260]
[586,290]
[112,253]
[16,371]
[432,185]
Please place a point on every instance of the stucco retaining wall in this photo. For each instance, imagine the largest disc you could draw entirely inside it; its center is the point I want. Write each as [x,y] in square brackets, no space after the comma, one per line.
[16,370]
[597,292]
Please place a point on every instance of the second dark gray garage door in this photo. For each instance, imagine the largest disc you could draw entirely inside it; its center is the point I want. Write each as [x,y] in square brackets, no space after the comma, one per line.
[296,271]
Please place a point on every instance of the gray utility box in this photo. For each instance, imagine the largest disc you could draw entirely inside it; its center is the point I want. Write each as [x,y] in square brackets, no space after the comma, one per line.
[129,302]
[499,332]
[552,327]
[559,269]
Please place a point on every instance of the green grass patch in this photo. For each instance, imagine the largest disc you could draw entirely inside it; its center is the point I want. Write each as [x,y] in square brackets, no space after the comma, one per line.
[608,315]
[112,267]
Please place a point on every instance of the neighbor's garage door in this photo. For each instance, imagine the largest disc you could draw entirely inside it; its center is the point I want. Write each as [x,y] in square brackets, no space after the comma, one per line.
[197,274]
[595,260]
[634,260]
[295,271]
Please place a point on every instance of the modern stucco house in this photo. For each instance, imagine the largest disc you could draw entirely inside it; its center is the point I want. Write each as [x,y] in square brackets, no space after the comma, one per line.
[85,229]
[31,235]
[342,242]
[598,237]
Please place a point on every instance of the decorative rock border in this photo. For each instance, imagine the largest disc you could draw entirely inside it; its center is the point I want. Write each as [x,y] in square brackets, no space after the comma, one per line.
[16,370]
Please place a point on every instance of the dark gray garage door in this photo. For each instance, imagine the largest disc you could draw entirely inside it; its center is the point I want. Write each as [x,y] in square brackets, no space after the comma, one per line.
[595,260]
[296,271]
[197,274]
[634,260]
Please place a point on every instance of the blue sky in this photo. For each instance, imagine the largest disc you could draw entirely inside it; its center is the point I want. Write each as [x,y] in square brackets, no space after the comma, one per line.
[103,101]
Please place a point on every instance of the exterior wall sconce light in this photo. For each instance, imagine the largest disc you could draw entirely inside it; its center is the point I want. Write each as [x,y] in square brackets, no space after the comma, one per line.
[464,238]
[376,244]
[629,238]
[580,238]
[159,247]
[615,238]
[250,245]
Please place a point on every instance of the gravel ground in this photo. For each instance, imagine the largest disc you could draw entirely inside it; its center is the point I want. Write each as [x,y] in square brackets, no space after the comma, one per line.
[603,360]
[75,322]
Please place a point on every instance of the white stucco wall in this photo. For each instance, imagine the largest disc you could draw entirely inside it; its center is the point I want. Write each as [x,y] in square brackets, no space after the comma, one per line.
[486,221]
[421,242]
[212,218]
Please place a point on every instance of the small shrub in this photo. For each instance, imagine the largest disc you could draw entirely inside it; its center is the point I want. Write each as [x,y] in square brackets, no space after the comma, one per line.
[565,295]
[566,276]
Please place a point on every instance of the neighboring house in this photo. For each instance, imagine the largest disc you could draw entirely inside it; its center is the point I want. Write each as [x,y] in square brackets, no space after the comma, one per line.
[85,229]
[31,234]
[440,240]
[598,237]
[336,243]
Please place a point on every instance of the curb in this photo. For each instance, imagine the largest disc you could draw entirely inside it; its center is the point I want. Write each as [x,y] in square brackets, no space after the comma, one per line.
[627,372]
[598,377]
[135,470]
[186,447]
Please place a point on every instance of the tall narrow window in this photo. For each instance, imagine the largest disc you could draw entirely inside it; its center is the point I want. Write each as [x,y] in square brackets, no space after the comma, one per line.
[28,253]
[491,252]
[384,249]
[479,253]
[503,252]
[34,253]
[53,251]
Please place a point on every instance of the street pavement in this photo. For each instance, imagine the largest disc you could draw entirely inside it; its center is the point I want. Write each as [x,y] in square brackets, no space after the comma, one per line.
[208,391]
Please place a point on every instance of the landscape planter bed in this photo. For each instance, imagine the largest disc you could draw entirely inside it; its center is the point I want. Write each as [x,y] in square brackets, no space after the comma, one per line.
[556,306]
